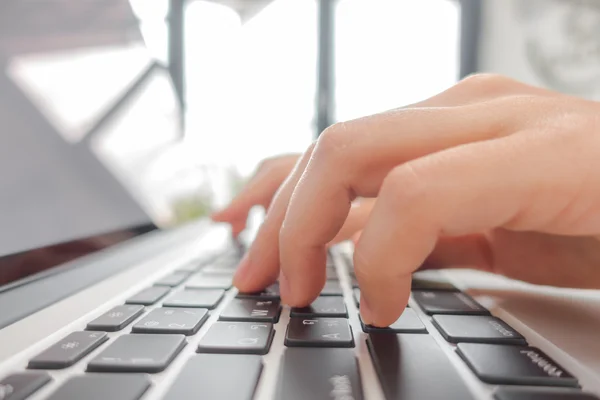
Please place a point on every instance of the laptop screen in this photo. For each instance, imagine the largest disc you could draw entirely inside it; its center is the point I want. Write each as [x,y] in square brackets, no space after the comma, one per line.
[85,106]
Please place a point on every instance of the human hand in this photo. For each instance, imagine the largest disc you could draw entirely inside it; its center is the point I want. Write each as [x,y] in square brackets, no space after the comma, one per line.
[258,191]
[490,174]
[262,187]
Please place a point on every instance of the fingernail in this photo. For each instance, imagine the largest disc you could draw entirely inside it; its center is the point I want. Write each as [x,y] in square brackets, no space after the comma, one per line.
[243,269]
[365,311]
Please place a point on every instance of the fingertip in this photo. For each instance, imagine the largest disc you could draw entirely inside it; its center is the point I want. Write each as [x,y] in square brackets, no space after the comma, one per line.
[365,311]
[298,294]
[383,301]
[219,216]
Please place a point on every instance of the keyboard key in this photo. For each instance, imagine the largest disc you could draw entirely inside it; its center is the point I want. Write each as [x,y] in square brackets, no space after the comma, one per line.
[514,365]
[332,288]
[440,302]
[319,374]
[251,310]
[331,273]
[409,322]
[323,306]
[149,296]
[208,376]
[510,393]
[476,329]
[103,387]
[356,293]
[189,268]
[200,298]
[173,279]
[354,282]
[21,385]
[237,337]
[204,281]
[186,321]
[271,292]
[138,353]
[69,350]
[218,270]
[414,367]
[319,332]
[431,280]
[116,318]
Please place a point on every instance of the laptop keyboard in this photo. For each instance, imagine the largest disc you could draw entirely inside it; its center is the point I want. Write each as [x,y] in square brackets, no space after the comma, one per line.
[123,348]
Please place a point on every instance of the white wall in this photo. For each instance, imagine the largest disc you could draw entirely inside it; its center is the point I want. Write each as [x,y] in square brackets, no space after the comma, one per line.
[549,43]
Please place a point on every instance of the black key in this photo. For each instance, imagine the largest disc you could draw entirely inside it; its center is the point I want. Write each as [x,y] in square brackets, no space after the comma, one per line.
[323,306]
[21,385]
[203,281]
[201,298]
[414,367]
[252,310]
[186,321]
[514,365]
[319,374]
[103,387]
[237,337]
[476,329]
[271,292]
[173,279]
[409,322]
[116,318]
[356,293]
[511,393]
[439,302]
[332,288]
[319,332]
[138,353]
[208,376]
[431,280]
[331,273]
[149,296]
[69,350]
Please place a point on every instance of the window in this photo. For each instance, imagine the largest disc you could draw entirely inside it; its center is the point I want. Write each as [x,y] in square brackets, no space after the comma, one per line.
[390,53]
[250,82]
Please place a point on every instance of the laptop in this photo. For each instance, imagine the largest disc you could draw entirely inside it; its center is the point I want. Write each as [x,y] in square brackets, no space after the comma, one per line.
[100,299]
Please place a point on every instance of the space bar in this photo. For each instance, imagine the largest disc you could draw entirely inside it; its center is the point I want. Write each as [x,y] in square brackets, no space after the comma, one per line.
[414,367]
[217,376]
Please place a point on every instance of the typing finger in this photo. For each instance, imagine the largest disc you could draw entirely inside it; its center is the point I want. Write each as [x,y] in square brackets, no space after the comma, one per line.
[260,265]
[259,191]
[518,182]
[353,159]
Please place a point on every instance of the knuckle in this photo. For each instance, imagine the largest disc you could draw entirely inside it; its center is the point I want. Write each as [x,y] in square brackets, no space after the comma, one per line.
[264,165]
[488,82]
[331,141]
[404,184]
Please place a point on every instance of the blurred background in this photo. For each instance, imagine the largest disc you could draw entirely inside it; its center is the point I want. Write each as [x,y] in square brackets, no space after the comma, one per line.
[114,113]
